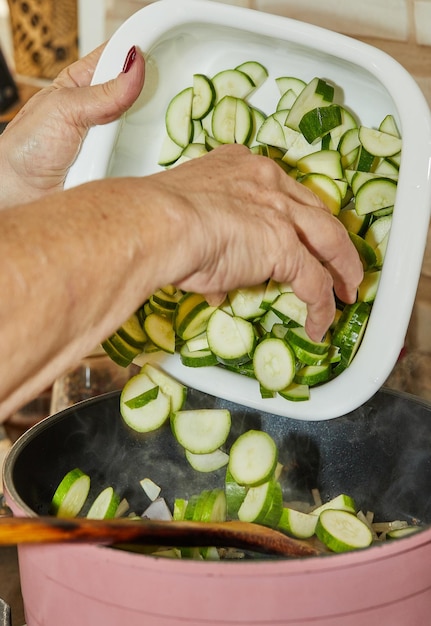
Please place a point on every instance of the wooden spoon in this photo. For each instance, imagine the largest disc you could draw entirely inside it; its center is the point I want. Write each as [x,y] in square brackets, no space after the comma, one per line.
[234,534]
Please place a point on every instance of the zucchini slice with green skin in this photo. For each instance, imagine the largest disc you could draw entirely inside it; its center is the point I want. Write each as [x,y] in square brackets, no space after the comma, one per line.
[399,533]
[203,96]
[258,502]
[143,417]
[170,152]
[105,505]
[272,517]
[246,302]
[235,495]
[322,162]
[297,524]
[318,122]
[327,190]
[115,355]
[132,332]
[231,338]
[342,502]
[350,329]
[313,374]
[296,392]
[284,83]
[389,125]
[179,117]
[365,251]
[123,347]
[342,531]
[254,70]
[143,398]
[253,458]
[317,93]
[210,462]
[214,507]
[271,132]
[232,83]
[298,336]
[289,307]
[201,431]
[71,494]
[379,143]
[176,391]
[367,290]
[191,316]
[286,101]
[274,363]
[160,332]
[197,358]
[232,121]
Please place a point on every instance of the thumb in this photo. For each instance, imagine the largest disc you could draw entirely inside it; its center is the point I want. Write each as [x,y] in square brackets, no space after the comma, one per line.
[106,102]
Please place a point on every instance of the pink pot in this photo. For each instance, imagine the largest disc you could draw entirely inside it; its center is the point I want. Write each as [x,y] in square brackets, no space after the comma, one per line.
[69,585]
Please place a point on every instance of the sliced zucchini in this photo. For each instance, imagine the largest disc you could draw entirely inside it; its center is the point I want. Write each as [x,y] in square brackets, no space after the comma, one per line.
[322,162]
[203,96]
[274,363]
[176,391]
[318,122]
[317,93]
[71,494]
[179,117]
[160,332]
[232,83]
[210,462]
[342,531]
[143,417]
[201,431]
[253,458]
[230,338]
[327,190]
[105,505]
[254,70]
[379,143]
[297,523]
[375,194]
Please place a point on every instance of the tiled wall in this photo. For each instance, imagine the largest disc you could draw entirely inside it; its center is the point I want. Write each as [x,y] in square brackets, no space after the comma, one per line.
[398,20]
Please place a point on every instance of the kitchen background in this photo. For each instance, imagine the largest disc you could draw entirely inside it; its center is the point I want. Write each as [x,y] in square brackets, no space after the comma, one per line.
[400,27]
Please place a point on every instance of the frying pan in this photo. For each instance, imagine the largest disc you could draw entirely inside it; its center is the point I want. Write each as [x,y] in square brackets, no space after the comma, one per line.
[380,454]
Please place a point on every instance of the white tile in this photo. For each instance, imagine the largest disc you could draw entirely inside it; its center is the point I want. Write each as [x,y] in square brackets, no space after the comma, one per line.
[387,19]
[422,19]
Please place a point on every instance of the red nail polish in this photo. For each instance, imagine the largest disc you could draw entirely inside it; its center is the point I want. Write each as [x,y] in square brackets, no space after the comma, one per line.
[131,56]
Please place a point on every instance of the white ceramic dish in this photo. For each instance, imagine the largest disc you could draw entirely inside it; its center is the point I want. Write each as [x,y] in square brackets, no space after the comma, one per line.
[182,37]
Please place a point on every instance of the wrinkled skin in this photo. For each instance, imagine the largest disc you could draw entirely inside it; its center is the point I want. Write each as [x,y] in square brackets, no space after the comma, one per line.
[77,263]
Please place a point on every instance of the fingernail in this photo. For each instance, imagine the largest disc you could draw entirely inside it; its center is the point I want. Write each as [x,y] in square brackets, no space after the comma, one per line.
[131,56]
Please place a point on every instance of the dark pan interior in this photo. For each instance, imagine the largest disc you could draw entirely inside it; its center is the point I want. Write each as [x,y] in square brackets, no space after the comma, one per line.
[380,454]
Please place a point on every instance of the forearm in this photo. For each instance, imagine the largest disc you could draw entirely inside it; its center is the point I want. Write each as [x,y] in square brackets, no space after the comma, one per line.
[78,263]
[74,268]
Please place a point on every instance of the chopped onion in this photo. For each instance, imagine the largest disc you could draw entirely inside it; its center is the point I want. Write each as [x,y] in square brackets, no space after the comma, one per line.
[151,489]
[158,510]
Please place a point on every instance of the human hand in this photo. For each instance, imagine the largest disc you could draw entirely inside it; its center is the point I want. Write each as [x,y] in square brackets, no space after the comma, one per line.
[248,221]
[40,144]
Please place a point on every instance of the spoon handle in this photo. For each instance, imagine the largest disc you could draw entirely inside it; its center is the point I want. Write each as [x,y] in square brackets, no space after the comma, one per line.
[233,534]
